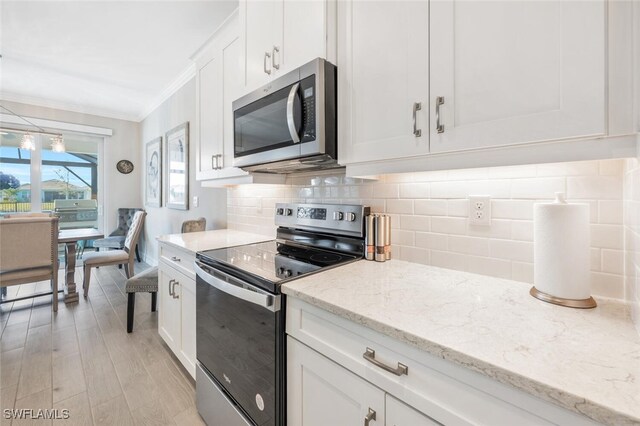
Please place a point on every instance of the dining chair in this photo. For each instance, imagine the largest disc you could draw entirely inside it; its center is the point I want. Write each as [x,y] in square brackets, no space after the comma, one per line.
[116,257]
[147,281]
[115,240]
[29,252]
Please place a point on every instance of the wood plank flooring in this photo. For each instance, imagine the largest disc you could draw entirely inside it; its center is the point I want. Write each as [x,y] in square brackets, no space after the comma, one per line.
[82,359]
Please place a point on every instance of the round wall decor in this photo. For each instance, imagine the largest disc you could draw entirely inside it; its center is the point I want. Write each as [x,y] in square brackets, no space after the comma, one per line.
[124,166]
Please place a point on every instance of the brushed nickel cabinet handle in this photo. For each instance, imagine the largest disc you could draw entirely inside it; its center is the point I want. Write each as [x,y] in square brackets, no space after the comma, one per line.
[417,106]
[175,296]
[275,50]
[370,355]
[220,161]
[267,55]
[439,126]
[214,162]
[176,259]
[371,415]
[171,282]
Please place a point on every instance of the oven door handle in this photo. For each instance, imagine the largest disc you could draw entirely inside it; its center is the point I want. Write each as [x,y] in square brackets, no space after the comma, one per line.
[267,301]
[291,119]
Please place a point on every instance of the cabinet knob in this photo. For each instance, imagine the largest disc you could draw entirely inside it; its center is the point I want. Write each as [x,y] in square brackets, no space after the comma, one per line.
[371,415]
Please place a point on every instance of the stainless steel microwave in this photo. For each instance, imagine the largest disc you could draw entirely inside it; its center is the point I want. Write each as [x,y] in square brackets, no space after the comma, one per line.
[289,124]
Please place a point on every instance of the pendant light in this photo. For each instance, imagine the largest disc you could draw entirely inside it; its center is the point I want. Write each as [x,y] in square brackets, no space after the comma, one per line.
[57,144]
[28,141]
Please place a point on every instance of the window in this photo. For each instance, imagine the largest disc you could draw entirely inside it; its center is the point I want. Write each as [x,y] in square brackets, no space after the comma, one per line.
[45,180]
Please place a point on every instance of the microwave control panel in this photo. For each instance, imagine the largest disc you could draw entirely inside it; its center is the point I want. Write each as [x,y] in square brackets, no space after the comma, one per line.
[308,98]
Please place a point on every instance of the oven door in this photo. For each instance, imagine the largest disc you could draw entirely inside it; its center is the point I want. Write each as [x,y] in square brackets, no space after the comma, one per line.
[239,341]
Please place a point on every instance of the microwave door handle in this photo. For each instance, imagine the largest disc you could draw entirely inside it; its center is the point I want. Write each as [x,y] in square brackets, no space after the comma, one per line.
[267,301]
[291,122]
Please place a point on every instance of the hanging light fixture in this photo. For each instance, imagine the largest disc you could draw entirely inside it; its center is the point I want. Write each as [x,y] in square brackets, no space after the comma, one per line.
[57,144]
[28,142]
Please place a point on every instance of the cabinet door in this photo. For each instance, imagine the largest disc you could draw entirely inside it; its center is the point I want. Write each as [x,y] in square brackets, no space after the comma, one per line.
[383,72]
[305,33]
[209,111]
[516,71]
[169,315]
[320,392]
[188,323]
[399,414]
[259,23]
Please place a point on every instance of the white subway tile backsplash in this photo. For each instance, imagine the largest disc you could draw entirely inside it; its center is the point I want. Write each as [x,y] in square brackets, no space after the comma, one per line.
[610,212]
[415,223]
[469,245]
[607,236]
[538,188]
[431,207]
[613,261]
[431,240]
[429,214]
[514,250]
[594,188]
[400,206]
[414,190]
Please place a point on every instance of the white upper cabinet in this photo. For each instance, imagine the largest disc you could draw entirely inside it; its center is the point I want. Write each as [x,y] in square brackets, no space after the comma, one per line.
[279,36]
[383,79]
[510,72]
[218,84]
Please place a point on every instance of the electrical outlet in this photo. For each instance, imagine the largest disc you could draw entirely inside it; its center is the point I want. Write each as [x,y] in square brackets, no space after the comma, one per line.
[196,201]
[480,210]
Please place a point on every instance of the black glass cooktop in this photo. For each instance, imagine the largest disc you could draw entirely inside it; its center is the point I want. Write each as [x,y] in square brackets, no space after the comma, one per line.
[270,263]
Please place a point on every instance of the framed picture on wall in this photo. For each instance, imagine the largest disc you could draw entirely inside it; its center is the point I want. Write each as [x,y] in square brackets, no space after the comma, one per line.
[153,169]
[177,166]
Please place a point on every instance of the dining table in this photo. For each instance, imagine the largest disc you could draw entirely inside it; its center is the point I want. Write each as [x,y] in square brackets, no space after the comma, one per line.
[70,238]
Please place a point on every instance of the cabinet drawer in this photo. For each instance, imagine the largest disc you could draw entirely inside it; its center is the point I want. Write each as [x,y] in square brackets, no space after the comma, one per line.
[178,259]
[446,392]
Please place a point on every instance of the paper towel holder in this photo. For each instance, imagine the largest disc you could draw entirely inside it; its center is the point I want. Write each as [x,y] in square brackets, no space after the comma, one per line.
[570,303]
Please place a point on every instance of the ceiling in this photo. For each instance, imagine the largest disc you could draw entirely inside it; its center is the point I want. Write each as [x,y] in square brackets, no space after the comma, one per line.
[110,58]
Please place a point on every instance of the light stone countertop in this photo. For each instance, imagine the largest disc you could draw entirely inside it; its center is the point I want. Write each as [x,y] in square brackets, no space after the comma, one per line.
[209,240]
[587,361]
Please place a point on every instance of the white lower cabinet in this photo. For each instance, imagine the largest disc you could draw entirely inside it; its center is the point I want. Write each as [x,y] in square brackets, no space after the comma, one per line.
[400,414]
[323,393]
[177,305]
[337,371]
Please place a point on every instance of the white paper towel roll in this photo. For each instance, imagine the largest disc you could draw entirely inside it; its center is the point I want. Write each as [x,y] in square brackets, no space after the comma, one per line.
[561,252]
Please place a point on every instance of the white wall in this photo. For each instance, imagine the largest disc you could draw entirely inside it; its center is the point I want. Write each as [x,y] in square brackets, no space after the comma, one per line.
[118,190]
[180,107]
[429,214]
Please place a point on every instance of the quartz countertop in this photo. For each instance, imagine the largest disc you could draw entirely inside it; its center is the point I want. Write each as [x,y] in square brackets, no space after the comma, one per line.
[209,240]
[587,361]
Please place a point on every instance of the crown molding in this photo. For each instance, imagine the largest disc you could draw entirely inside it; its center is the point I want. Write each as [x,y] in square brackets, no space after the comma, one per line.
[183,78]
[65,106]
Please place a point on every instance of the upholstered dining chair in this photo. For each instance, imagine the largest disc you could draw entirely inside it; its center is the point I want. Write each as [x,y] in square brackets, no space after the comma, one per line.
[194,225]
[29,252]
[115,240]
[147,281]
[116,257]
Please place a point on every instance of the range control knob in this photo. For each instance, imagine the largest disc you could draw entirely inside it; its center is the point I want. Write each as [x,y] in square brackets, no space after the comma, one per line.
[351,217]
[338,215]
[286,273]
[280,211]
[288,212]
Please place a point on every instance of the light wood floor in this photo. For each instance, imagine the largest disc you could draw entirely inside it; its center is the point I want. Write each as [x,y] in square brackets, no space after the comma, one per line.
[83,360]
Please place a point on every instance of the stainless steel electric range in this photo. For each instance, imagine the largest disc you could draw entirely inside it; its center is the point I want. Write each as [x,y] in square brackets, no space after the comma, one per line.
[240,311]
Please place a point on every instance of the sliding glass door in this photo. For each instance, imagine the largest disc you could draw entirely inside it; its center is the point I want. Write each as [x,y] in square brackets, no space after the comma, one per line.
[44,180]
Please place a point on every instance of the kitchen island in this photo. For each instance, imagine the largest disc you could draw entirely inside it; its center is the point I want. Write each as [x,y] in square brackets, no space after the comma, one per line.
[585,361]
